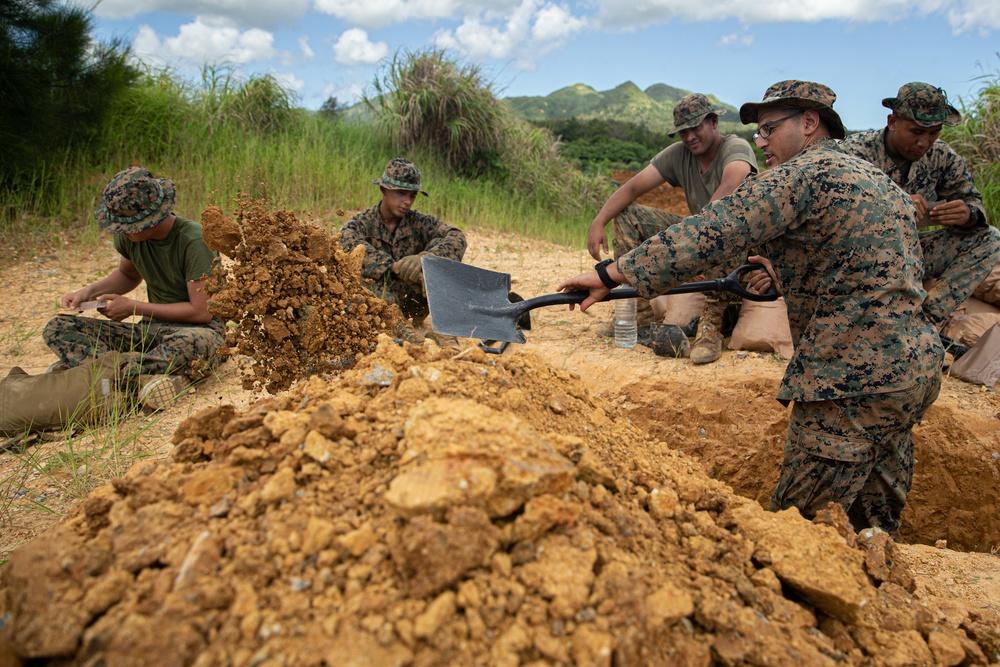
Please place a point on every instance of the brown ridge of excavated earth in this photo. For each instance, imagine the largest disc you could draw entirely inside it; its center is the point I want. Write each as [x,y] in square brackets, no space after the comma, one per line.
[564,503]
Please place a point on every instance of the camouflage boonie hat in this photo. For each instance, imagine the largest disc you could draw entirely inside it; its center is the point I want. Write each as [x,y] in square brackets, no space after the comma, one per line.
[690,111]
[924,104]
[400,174]
[798,95]
[134,201]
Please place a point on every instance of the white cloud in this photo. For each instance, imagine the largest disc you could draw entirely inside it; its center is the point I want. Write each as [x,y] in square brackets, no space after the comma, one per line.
[555,24]
[529,31]
[980,15]
[201,42]
[290,82]
[305,48]
[736,39]
[381,13]
[961,14]
[354,48]
[243,13]
[148,48]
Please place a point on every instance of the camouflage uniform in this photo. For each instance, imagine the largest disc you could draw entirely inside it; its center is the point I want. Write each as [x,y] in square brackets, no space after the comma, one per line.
[158,347]
[957,258]
[416,233]
[133,202]
[867,363]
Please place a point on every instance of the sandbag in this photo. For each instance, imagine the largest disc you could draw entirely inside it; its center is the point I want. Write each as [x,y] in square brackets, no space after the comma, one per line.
[970,321]
[677,309]
[763,327]
[83,395]
[989,289]
[981,364]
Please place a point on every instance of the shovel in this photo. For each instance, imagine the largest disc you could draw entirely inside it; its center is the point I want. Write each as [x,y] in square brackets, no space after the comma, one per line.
[472,302]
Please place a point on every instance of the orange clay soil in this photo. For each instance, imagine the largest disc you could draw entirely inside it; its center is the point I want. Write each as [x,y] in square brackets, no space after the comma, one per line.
[548,506]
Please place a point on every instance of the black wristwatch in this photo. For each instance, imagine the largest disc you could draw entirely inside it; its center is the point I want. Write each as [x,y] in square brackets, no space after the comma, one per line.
[602,273]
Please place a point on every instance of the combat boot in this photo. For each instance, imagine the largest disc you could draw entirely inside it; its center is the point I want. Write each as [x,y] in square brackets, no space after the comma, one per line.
[707,347]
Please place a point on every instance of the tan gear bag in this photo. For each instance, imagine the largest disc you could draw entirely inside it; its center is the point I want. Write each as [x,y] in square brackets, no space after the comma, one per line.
[86,394]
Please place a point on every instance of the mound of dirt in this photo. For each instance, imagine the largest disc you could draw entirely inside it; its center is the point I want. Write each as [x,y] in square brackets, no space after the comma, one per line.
[431,508]
[293,294]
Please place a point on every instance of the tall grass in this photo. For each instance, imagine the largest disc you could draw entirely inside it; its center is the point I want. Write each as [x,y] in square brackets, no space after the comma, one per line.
[977,139]
[227,134]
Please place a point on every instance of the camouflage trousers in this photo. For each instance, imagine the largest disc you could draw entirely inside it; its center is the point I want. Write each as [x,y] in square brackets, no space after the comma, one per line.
[157,348]
[856,452]
[408,296]
[636,223]
[959,261]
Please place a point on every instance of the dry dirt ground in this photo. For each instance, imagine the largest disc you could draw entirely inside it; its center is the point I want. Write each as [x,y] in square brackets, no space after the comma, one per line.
[546,506]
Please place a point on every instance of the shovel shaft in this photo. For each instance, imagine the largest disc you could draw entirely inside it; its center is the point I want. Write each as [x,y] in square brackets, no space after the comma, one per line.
[730,283]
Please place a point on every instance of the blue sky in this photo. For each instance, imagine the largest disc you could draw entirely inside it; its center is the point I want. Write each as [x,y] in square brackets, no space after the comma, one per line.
[863,49]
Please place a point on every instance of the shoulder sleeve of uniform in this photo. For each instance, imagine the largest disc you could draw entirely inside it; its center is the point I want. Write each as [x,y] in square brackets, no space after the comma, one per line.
[198,257]
[667,162]
[121,246]
[738,149]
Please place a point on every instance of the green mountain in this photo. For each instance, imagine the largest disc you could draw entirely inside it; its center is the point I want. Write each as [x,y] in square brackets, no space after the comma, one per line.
[652,108]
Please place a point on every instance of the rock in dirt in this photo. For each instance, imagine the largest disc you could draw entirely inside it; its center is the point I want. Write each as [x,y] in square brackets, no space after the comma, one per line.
[451,517]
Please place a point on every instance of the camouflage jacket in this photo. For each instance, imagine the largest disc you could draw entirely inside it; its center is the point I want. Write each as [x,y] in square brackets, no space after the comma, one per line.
[844,245]
[415,233]
[939,176]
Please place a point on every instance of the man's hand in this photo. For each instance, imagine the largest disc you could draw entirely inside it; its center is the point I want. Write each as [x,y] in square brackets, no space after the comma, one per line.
[118,307]
[409,269]
[597,240]
[74,299]
[951,213]
[760,281]
[920,204]
[589,282]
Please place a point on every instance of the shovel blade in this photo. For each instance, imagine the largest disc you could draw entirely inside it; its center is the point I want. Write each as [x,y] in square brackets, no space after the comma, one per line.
[469,301]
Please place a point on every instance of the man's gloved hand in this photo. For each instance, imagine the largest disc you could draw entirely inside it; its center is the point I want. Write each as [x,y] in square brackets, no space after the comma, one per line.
[409,268]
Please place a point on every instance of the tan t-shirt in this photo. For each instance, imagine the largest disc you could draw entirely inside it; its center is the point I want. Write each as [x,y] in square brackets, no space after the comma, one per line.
[680,168]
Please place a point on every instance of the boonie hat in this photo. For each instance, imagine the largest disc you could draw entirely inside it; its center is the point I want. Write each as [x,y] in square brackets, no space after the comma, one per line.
[134,201]
[691,110]
[400,174]
[924,104]
[799,95]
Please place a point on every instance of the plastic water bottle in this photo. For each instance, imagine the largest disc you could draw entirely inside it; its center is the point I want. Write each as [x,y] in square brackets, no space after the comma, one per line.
[625,329]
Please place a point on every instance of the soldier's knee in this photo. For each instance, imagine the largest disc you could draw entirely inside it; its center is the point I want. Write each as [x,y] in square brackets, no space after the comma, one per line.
[56,329]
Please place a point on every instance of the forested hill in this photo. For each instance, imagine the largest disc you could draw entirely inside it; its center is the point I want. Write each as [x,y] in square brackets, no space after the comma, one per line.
[652,108]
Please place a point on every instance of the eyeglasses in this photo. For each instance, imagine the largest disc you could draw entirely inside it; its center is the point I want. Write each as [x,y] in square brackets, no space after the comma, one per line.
[765,130]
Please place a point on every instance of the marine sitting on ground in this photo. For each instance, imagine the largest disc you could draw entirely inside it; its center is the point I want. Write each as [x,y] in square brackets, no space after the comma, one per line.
[963,251]
[707,165]
[175,341]
[395,237]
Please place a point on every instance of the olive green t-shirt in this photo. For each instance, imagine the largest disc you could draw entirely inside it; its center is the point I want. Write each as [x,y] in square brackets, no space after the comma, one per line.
[169,264]
[680,168]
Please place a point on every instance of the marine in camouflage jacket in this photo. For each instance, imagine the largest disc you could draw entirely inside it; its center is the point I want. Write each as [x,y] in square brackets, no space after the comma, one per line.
[844,245]
[940,175]
[415,233]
